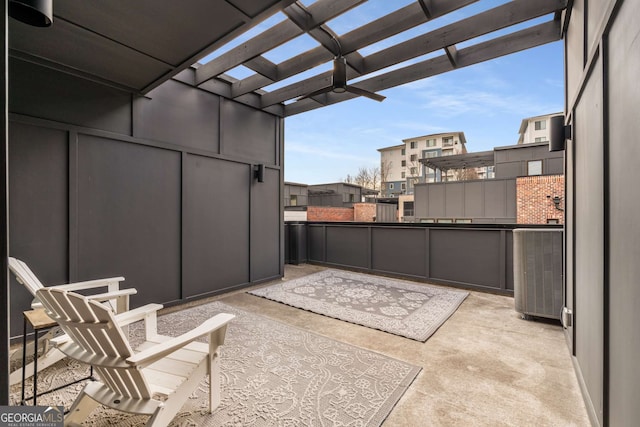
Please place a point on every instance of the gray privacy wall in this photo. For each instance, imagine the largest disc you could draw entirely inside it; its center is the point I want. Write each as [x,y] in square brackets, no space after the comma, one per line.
[484,201]
[158,189]
[602,60]
[469,256]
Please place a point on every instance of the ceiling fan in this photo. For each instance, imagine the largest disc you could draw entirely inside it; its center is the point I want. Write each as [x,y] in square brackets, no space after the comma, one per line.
[339,83]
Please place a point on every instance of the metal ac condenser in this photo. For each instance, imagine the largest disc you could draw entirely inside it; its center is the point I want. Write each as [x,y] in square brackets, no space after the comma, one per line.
[537,272]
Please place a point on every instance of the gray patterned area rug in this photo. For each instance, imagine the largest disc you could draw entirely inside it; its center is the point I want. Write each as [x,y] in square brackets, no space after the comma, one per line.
[272,375]
[408,309]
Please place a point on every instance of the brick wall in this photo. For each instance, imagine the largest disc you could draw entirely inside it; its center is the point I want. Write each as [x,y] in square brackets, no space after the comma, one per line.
[364,212]
[535,195]
[326,213]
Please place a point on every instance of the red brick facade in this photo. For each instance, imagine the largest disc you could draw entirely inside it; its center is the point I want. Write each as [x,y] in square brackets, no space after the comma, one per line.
[535,199]
[364,212]
[326,213]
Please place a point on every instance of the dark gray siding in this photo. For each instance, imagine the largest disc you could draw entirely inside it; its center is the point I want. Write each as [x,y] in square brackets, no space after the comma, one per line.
[184,117]
[511,162]
[478,257]
[128,215]
[624,127]
[39,206]
[488,201]
[602,245]
[157,189]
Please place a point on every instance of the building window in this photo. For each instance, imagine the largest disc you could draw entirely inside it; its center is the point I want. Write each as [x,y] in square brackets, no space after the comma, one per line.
[540,124]
[463,221]
[391,186]
[431,142]
[404,175]
[540,139]
[403,151]
[414,144]
[534,167]
[408,208]
[403,163]
[352,197]
[414,157]
[413,171]
[293,200]
[447,152]
[447,141]
[553,221]
[403,186]
[429,154]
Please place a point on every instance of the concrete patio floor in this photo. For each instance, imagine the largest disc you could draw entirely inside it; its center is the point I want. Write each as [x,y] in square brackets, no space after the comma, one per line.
[484,367]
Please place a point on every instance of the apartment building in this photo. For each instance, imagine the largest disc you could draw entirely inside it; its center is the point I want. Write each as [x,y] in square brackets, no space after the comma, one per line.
[535,129]
[401,167]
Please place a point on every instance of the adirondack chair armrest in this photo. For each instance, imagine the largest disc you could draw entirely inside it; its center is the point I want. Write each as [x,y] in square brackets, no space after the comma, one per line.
[112,283]
[140,313]
[111,295]
[151,355]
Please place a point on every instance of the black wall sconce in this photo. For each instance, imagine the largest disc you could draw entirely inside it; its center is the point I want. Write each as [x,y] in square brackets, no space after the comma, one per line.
[556,202]
[559,133]
[38,13]
[258,172]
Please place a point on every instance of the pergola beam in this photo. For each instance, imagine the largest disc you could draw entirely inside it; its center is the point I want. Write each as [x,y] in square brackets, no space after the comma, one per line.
[380,29]
[321,11]
[492,20]
[524,39]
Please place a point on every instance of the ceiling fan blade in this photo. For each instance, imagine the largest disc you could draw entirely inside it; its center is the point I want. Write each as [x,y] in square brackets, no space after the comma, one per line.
[315,93]
[362,92]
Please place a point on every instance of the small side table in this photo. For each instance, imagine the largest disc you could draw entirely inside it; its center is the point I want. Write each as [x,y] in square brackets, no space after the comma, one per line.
[39,322]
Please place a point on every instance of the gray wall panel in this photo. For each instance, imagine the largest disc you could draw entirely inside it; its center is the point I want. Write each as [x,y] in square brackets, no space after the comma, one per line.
[389,251]
[624,128]
[589,250]
[473,199]
[348,246]
[554,166]
[216,219]
[454,201]
[38,212]
[48,94]
[265,225]
[437,200]
[495,193]
[316,243]
[179,114]
[474,261]
[129,216]
[248,134]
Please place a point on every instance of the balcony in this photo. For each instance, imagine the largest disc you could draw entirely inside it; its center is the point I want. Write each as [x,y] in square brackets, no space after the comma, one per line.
[484,367]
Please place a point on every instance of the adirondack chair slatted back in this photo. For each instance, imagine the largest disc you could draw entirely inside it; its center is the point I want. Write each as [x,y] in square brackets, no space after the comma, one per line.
[24,275]
[92,327]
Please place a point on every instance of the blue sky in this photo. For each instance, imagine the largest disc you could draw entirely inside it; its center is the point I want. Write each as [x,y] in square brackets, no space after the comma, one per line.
[486,101]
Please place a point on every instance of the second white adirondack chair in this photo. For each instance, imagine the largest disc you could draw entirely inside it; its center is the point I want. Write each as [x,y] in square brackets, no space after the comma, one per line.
[173,367]
[116,299]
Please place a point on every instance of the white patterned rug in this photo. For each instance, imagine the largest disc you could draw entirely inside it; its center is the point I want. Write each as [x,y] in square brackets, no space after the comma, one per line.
[272,375]
[408,309]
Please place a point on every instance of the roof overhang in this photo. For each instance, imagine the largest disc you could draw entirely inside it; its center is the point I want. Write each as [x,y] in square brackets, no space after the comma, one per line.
[137,45]
[460,161]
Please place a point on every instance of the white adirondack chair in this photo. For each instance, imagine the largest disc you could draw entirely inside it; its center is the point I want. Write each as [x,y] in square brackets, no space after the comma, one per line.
[114,297]
[162,365]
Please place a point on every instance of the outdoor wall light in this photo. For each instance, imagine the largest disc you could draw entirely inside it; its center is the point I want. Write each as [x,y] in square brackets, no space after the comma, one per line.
[38,13]
[556,202]
[258,172]
[559,133]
